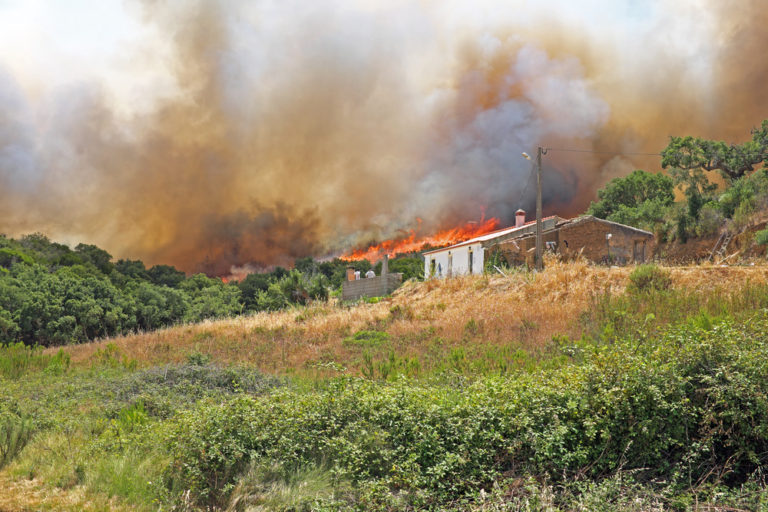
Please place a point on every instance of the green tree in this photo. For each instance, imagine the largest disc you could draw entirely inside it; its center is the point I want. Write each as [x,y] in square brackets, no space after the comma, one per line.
[99,258]
[166,275]
[132,268]
[696,155]
[639,199]
[251,288]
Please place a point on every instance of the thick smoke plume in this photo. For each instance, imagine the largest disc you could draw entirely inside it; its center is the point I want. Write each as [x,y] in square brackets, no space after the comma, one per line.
[281,130]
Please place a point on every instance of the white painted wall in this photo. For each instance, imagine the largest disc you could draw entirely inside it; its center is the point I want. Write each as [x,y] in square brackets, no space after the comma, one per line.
[454,261]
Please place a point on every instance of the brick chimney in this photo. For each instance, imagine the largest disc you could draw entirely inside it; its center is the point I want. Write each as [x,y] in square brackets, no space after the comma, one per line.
[519,218]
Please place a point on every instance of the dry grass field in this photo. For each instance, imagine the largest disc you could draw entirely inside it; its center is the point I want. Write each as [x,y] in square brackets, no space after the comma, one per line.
[521,310]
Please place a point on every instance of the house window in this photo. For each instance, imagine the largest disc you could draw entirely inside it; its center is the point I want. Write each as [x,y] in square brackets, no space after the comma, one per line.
[470,261]
[432,268]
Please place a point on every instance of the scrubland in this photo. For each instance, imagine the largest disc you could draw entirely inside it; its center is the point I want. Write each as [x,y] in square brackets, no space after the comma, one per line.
[579,388]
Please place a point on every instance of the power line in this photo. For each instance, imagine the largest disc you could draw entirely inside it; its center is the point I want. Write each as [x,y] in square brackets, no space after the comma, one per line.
[602,152]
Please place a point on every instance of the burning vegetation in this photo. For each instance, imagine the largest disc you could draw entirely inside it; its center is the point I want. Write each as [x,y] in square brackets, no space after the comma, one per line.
[267,135]
[414,243]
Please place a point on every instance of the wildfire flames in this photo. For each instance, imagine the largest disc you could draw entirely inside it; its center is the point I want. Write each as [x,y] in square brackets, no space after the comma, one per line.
[413,243]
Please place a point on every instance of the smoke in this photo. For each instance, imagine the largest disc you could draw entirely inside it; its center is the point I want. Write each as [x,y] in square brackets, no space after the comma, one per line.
[248,134]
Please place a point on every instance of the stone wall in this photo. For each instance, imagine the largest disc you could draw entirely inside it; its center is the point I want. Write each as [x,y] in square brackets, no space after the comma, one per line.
[584,236]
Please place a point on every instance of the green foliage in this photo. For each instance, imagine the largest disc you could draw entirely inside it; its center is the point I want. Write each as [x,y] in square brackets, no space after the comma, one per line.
[412,267]
[649,277]
[96,256]
[198,359]
[493,262]
[16,359]
[10,256]
[366,338]
[51,295]
[694,155]
[273,487]
[688,406]
[166,275]
[15,432]
[639,199]
[761,237]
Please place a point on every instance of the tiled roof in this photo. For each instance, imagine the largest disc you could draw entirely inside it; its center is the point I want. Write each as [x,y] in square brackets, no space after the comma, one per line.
[490,236]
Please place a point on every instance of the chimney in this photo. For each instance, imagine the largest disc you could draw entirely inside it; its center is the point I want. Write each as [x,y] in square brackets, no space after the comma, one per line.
[519,218]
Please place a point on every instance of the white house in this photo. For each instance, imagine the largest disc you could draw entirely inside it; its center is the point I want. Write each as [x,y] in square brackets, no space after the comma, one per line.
[469,257]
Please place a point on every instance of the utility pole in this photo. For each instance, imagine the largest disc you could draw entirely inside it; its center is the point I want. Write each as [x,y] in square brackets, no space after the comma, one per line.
[539,243]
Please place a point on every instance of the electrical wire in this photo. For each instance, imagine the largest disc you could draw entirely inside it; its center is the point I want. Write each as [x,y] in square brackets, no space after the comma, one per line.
[566,150]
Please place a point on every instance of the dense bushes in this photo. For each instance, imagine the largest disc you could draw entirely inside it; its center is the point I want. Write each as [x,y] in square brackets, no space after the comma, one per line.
[52,295]
[689,407]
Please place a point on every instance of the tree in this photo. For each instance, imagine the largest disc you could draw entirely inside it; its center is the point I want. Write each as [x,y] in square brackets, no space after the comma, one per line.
[251,288]
[166,275]
[132,268]
[99,258]
[696,155]
[639,199]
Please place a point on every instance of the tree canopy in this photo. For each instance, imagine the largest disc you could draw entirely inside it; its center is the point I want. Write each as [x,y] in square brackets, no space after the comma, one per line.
[695,155]
[638,199]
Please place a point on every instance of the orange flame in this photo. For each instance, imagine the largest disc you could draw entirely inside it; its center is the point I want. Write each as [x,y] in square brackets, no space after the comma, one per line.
[412,243]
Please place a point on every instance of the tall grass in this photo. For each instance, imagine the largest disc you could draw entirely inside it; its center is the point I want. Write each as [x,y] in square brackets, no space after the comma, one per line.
[424,321]
[16,359]
[15,433]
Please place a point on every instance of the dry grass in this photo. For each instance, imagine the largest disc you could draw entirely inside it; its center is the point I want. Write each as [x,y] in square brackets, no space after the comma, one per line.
[19,495]
[524,310]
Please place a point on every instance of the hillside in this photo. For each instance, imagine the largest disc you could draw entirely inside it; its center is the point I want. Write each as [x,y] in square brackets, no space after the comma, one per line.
[426,320]
[579,388]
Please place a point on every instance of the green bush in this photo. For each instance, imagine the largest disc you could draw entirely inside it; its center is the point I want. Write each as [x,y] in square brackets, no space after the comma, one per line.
[648,277]
[15,432]
[16,359]
[688,406]
[761,237]
[366,338]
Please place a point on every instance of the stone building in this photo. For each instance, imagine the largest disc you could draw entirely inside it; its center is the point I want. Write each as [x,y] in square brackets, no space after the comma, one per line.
[598,240]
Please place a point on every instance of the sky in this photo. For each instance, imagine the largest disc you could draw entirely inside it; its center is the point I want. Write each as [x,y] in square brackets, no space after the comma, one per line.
[215,135]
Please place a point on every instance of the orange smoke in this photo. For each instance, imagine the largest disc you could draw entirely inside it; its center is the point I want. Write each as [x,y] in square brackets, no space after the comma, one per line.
[412,243]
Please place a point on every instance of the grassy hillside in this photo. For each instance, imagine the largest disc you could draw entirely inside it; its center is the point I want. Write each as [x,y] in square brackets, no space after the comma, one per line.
[482,316]
[581,388]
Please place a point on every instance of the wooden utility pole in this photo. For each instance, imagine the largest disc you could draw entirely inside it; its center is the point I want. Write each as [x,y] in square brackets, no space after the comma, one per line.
[539,243]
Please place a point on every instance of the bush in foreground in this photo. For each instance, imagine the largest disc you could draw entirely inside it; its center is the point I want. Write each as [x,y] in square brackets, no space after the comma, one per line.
[687,409]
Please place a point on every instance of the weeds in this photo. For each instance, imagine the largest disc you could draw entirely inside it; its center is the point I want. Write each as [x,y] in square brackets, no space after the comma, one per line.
[366,338]
[15,433]
[16,359]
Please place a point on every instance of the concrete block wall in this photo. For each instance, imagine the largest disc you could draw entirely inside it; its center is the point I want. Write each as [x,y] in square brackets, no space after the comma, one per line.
[371,287]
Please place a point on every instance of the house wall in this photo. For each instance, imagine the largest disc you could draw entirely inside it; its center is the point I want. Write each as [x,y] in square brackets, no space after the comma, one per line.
[454,262]
[589,238]
[586,237]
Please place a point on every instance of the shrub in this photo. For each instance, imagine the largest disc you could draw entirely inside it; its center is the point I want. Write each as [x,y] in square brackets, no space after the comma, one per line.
[366,338]
[16,359]
[15,432]
[648,277]
[689,406]
[761,237]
